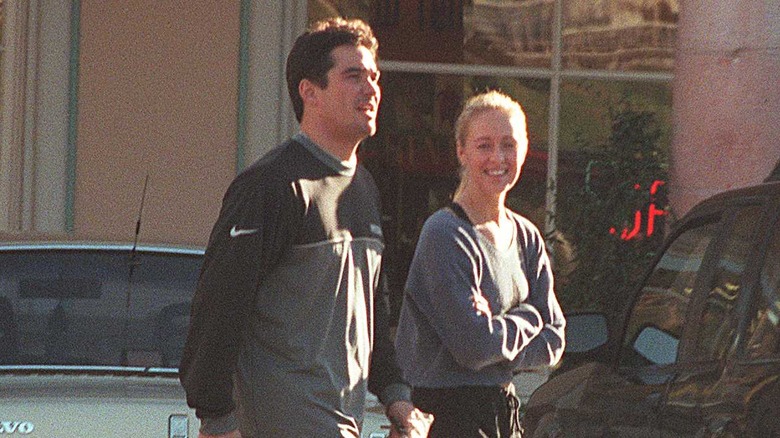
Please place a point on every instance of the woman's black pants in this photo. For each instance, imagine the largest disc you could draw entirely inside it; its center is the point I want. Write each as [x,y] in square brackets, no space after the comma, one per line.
[470,411]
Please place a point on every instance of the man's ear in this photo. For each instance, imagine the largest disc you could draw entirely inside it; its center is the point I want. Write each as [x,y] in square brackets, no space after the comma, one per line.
[308,91]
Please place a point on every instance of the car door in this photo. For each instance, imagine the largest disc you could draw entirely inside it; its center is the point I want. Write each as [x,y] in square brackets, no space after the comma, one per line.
[733,359]
[626,399]
[712,322]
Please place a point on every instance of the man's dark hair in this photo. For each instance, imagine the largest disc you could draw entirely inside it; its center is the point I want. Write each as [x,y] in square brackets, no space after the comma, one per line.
[310,57]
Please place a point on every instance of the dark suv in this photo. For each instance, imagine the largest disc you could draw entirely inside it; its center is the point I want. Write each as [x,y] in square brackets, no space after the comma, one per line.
[697,352]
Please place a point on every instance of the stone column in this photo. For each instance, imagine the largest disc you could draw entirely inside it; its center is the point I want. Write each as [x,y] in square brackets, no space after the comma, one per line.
[726,97]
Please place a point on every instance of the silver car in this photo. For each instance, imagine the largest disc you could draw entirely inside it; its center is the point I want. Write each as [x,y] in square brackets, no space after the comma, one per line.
[90,339]
[91,336]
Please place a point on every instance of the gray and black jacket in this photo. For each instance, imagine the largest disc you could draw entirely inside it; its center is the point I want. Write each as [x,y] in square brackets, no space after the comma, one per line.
[286,324]
[441,341]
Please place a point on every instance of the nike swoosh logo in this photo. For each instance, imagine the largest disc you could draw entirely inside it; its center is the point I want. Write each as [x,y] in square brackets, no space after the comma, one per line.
[235,232]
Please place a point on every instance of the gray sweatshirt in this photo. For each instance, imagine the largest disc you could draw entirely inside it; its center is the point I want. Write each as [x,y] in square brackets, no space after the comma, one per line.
[441,341]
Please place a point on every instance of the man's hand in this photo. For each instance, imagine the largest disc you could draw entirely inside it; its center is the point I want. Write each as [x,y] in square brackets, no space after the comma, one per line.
[233,434]
[406,421]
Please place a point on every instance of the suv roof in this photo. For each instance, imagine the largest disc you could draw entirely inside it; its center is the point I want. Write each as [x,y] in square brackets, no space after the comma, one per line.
[763,190]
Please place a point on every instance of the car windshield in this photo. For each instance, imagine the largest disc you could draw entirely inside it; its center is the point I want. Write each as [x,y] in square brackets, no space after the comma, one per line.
[89,306]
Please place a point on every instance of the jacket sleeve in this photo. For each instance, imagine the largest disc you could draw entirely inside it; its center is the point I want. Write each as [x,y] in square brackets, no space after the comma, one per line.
[446,271]
[254,227]
[547,347]
[384,378]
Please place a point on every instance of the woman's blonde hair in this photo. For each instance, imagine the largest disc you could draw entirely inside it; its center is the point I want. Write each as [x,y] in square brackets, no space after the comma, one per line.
[489,100]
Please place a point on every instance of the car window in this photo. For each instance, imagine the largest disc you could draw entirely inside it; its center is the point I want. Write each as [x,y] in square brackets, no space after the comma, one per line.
[80,307]
[662,303]
[718,326]
[763,332]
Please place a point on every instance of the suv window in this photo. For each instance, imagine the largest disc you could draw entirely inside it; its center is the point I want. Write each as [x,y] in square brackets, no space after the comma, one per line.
[718,326]
[763,332]
[78,307]
[660,309]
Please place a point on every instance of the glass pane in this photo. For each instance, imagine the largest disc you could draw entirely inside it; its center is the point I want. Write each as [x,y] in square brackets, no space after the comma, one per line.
[663,301]
[764,328]
[611,180]
[508,32]
[619,35]
[83,308]
[494,32]
[412,156]
[717,325]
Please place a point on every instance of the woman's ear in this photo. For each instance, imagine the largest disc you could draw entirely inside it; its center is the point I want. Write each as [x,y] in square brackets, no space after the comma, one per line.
[459,153]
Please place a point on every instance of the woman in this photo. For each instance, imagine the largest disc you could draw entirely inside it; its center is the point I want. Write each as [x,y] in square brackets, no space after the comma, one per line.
[479,301]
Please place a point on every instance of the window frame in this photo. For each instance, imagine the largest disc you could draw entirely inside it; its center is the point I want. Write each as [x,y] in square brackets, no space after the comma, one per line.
[39,83]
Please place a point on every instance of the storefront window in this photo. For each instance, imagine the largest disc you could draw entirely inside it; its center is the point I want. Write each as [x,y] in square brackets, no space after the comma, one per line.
[412,156]
[495,32]
[636,35]
[597,94]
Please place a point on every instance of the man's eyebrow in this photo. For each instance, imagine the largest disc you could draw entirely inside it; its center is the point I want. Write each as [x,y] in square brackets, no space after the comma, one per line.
[350,70]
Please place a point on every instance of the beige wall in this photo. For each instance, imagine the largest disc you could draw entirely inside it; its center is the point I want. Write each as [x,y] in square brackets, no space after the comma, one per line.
[726,97]
[158,85]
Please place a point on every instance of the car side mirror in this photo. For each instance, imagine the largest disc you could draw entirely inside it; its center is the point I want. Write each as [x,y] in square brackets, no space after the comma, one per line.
[585,332]
[657,346]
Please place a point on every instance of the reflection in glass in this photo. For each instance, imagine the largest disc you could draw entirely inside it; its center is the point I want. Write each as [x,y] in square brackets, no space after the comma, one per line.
[763,332]
[412,155]
[627,35]
[48,320]
[485,32]
[611,183]
[408,30]
[657,347]
[663,301]
[620,35]
[508,32]
[588,107]
[717,326]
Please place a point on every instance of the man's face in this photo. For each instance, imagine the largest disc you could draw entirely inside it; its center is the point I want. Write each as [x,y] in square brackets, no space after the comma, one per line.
[348,105]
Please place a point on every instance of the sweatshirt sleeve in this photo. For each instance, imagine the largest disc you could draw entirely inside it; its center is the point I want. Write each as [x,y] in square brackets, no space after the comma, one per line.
[254,227]
[547,347]
[445,273]
[384,378]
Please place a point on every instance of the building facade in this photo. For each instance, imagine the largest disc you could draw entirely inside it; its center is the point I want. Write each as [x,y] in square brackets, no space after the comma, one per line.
[115,113]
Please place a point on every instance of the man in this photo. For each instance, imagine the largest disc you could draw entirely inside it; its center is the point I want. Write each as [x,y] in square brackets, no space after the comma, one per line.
[284,325]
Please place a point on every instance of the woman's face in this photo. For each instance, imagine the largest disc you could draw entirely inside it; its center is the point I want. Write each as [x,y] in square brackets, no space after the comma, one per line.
[492,152]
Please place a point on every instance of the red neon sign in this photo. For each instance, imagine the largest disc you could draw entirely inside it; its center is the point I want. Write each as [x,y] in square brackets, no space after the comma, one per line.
[652,213]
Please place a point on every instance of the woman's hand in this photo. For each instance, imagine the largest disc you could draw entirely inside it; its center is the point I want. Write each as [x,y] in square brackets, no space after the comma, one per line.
[481,305]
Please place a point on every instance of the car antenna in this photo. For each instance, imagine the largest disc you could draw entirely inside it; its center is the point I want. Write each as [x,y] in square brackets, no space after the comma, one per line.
[133,263]
[137,233]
